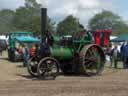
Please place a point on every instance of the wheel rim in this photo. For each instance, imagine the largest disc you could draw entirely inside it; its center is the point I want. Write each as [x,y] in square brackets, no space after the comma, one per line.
[92,61]
[32,67]
[48,68]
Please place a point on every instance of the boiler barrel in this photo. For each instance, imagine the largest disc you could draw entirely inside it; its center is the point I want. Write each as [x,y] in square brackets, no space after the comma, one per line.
[61,53]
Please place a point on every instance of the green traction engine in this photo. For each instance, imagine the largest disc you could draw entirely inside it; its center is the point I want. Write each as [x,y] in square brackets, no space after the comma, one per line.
[67,54]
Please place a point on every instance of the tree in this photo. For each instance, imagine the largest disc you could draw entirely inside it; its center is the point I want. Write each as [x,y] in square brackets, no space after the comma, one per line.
[51,25]
[108,20]
[25,15]
[6,18]
[120,28]
[28,18]
[69,26]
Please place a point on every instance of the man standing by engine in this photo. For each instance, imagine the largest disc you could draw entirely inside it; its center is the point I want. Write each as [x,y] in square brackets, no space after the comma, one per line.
[125,52]
[26,55]
[114,53]
[122,53]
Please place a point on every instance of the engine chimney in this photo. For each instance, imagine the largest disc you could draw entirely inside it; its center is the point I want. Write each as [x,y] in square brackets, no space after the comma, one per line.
[43,23]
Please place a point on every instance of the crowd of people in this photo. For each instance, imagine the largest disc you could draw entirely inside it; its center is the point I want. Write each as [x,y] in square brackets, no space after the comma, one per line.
[24,51]
[119,55]
[27,52]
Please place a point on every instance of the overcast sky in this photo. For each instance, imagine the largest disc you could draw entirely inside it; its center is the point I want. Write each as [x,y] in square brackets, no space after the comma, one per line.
[82,9]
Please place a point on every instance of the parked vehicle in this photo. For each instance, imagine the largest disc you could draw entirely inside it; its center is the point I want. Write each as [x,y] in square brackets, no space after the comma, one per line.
[16,40]
[3,44]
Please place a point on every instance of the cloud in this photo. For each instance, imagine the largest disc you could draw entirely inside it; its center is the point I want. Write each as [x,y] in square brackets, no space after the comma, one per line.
[82,9]
[11,4]
[59,9]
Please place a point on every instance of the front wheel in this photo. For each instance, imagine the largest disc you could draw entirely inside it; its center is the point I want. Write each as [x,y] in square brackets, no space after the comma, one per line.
[32,67]
[48,67]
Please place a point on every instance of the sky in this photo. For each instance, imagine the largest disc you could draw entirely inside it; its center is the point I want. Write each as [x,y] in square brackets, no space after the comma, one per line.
[120,7]
[84,10]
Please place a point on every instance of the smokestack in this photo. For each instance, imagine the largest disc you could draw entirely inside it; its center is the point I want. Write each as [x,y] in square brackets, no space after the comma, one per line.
[43,23]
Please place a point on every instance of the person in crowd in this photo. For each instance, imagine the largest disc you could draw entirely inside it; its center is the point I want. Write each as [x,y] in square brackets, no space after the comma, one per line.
[108,53]
[26,54]
[125,54]
[114,56]
[122,54]
[33,50]
[20,49]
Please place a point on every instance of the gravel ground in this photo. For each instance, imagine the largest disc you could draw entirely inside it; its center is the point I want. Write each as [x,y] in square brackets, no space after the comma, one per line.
[15,81]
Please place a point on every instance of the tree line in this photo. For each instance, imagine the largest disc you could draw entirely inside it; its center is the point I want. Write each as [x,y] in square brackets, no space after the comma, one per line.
[28,18]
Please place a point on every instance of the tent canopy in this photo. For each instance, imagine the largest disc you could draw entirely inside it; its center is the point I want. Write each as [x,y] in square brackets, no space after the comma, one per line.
[120,38]
[27,39]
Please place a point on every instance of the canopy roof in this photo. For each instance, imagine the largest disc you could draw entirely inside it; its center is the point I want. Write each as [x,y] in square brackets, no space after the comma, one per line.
[20,32]
[109,31]
[121,38]
[27,39]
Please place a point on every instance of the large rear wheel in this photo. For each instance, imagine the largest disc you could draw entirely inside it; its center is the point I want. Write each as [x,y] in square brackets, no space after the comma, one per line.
[92,59]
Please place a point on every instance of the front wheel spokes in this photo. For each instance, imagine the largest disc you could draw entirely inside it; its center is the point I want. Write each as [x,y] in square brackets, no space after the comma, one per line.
[33,63]
[43,68]
[48,67]
[32,67]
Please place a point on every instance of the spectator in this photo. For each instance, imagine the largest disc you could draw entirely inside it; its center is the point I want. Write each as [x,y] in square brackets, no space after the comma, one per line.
[125,53]
[122,54]
[26,54]
[108,53]
[114,54]
[33,50]
[19,49]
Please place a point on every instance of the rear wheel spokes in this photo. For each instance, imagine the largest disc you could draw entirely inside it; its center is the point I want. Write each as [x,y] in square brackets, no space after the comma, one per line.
[90,66]
[91,61]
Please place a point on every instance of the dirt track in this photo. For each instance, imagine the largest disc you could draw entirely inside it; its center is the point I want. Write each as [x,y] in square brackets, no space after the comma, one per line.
[15,81]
